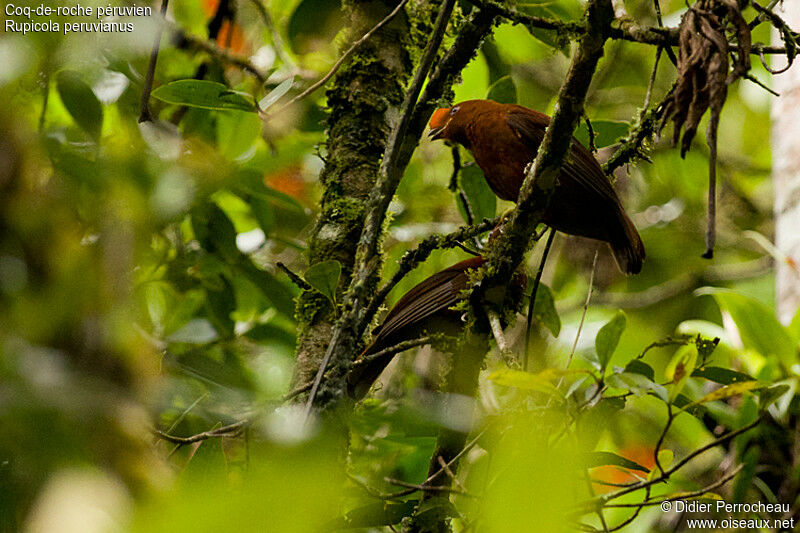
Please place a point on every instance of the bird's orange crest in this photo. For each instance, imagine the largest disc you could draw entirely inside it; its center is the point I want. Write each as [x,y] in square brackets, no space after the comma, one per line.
[439,118]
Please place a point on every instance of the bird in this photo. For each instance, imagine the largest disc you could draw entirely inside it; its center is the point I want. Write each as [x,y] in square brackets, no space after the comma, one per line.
[425,309]
[504,139]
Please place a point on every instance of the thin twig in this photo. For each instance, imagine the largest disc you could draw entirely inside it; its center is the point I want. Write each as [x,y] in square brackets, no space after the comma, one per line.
[296,279]
[427,488]
[231,430]
[277,40]
[502,345]
[677,466]
[534,292]
[684,495]
[324,79]
[220,54]
[585,308]
[144,115]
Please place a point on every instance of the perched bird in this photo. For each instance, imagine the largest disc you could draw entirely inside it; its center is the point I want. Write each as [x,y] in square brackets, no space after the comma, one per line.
[426,308]
[504,139]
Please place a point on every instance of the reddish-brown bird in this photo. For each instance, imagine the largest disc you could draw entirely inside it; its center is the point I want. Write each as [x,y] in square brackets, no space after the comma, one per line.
[504,139]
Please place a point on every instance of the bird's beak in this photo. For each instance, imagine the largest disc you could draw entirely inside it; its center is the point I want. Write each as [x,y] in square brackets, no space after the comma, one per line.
[434,133]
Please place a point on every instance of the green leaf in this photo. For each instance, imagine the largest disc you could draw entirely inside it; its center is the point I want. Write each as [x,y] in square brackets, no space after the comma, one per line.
[767,397]
[503,91]
[608,337]
[215,231]
[81,102]
[794,327]
[730,390]
[549,37]
[275,94]
[314,22]
[606,132]
[594,459]
[276,293]
[724,376]
[525,380]
[204,94]
[680,368]
[324,277]
[544,310]
[237,131]
[196,331]
[683,402]
[665,458]
[374,515]
[501,85]
[637,384]
[637,366]
[482,200]
[757,325]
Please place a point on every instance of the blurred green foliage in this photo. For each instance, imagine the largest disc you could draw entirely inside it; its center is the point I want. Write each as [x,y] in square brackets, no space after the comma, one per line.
[139,289]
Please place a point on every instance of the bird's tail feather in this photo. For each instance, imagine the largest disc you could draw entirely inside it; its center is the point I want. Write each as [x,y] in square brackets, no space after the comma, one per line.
[627,247]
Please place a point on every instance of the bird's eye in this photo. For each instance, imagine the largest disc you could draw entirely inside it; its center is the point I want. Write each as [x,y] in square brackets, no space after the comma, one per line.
[454,110]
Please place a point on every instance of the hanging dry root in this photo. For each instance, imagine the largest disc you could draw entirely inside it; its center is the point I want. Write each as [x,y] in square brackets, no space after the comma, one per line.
[713,34]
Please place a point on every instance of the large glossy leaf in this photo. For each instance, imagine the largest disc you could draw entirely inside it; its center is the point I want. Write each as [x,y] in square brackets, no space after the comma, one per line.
[204,94]
[608,337]
[757,325]
[81,102]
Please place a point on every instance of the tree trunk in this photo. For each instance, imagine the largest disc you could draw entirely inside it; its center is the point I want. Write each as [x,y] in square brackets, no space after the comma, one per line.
[364,97]
[786,173]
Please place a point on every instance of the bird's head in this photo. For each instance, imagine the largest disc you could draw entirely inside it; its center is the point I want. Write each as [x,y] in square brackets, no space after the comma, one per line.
[451,122]
[445,123]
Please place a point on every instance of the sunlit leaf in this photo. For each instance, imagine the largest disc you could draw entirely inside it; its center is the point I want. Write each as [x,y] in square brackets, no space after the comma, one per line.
[730,390]
[524,380]
[197,331]
[757,325]
[81,102]
[665,458]
[275,94]
[204,94]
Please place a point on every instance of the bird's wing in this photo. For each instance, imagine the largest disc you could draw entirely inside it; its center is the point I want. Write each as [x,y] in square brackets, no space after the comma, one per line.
[579,164]
[436,293]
